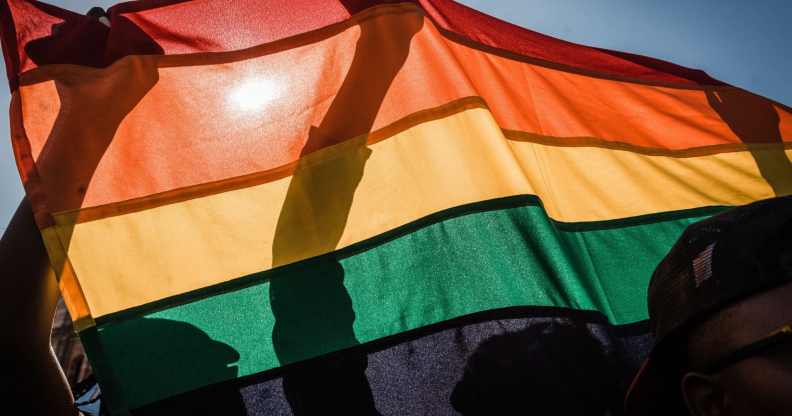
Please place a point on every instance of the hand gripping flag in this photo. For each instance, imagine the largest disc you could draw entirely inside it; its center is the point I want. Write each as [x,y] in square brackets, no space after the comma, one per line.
[236,191]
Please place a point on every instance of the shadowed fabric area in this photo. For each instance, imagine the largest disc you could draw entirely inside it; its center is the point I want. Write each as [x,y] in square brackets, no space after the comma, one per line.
[500,362]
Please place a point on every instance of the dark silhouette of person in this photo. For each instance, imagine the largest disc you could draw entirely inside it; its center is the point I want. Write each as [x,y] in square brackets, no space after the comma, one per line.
[313,311]
[755,120]
[547,368]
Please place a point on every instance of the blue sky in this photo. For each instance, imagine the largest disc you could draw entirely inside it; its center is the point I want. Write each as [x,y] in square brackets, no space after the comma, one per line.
[739,42]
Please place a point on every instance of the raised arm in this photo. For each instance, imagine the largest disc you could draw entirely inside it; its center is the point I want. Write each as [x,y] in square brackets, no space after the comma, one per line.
[28,294]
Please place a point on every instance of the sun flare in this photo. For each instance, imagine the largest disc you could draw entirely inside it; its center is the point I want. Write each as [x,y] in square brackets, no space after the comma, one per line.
[253,94]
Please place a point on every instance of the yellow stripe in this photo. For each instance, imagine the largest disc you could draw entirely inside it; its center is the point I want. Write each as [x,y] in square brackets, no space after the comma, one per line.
[140,257]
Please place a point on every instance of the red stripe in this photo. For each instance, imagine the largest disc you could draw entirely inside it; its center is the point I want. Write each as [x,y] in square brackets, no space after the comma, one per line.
[487,30]
[178,27]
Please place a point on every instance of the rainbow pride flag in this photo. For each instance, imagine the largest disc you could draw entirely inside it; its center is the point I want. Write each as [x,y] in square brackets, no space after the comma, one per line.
[261,184]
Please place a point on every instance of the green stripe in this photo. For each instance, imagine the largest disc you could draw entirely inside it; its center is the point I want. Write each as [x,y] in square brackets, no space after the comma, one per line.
[457,265]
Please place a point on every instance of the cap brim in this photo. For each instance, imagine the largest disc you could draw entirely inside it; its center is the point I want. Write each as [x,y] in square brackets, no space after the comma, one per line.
[649,389]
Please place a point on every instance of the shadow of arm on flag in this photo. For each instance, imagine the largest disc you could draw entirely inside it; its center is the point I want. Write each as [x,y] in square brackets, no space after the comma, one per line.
[754,120]
[316,315]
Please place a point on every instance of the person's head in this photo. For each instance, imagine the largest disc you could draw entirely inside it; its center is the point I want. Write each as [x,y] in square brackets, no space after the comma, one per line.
[757,382]
[720,307]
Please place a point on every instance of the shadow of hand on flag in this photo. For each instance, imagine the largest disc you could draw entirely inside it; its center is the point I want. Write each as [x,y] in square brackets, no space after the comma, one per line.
[91,107]
[755,122]
[315,316]
[84,40]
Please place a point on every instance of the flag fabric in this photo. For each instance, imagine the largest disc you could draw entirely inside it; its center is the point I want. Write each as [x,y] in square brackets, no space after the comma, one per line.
[255,192]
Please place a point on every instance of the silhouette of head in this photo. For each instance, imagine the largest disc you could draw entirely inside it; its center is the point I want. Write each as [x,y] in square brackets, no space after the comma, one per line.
[162,354]
[550,367]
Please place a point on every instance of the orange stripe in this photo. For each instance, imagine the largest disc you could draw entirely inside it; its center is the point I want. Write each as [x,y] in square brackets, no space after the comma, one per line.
[183,194]
[148,124]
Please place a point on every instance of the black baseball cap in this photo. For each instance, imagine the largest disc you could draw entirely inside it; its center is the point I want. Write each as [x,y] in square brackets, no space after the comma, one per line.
[714,264]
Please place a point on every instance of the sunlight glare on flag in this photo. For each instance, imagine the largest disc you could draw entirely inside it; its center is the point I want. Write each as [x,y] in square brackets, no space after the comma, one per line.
[253,94]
